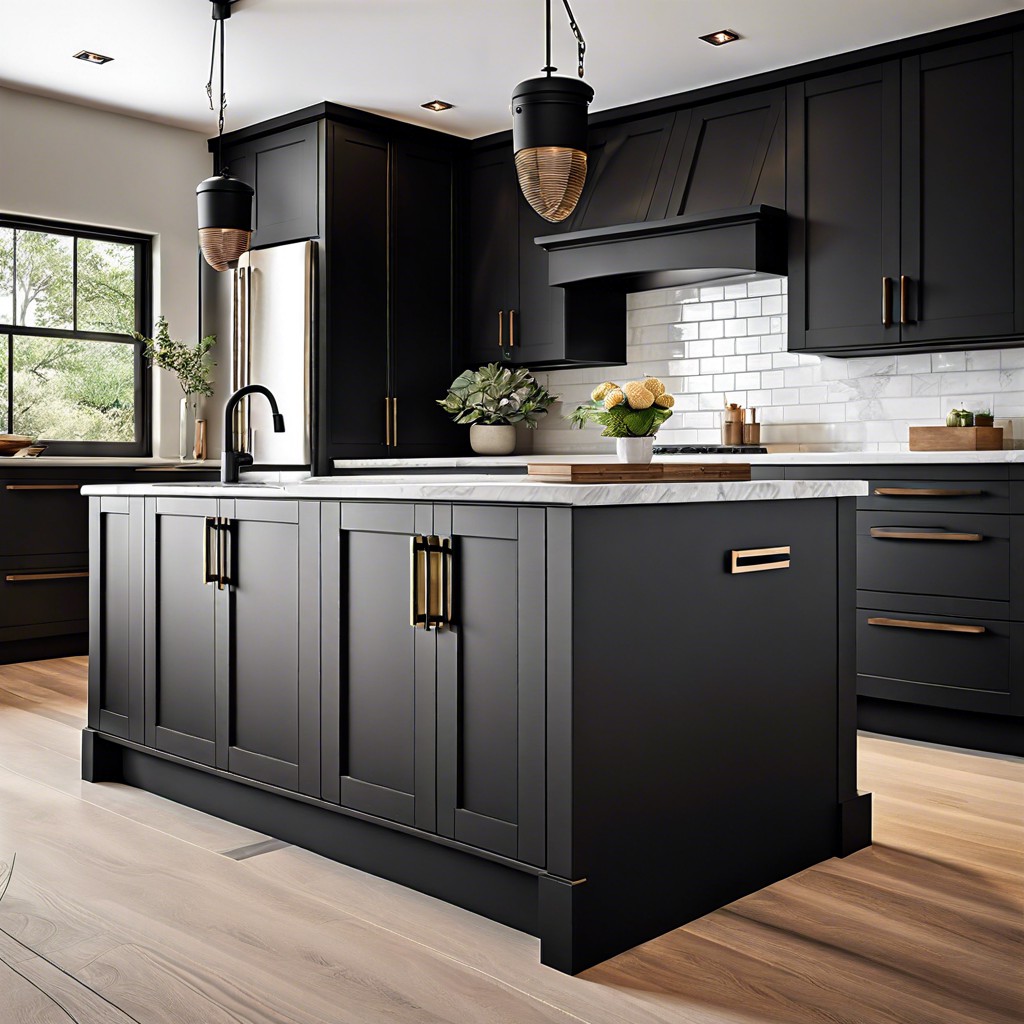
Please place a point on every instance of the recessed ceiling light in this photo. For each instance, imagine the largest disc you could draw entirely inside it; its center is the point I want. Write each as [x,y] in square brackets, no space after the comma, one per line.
[437,106]
[92,58]
[721,37]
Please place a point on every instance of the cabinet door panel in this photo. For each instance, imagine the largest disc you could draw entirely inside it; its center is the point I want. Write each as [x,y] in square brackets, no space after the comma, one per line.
[491,683]
[378,672]
[960,115]
[180,630]
[843,195]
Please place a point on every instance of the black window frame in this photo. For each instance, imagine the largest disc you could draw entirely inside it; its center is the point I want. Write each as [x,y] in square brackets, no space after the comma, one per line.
[141,447]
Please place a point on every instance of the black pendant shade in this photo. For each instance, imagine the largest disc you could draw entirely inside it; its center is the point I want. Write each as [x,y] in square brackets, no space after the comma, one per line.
[549,139]
[225,219]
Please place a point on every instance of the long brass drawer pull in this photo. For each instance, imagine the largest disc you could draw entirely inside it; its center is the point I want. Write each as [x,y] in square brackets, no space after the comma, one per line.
[887,302]
[511,328]
[760,559]
[903,299]
[925,492]
[940,627]
[884,533]
[26,577]
[44,487]
[501,328]
[430,587]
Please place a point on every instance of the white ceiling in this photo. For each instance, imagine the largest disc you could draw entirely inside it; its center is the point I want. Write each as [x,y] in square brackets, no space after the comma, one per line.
[389,56]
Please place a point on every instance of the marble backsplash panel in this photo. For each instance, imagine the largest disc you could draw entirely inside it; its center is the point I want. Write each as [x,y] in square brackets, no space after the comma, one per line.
[726,341]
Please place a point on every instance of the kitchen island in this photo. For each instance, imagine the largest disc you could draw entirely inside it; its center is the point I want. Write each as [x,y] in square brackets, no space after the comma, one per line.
[593,713]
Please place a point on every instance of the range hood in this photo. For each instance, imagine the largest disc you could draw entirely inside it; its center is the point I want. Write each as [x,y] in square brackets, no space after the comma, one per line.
[684,250]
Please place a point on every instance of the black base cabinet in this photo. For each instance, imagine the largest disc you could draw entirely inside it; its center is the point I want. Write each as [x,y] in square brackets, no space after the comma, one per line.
[506,707]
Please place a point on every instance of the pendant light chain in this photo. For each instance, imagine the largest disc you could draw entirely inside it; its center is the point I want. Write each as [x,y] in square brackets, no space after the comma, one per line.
[218,24]
[580,42]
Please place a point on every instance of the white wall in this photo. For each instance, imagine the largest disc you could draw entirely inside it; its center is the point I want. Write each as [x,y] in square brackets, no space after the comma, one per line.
[73,163]
[727,340]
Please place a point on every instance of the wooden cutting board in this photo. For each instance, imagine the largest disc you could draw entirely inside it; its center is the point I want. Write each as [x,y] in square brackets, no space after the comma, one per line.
[956,439]
[632,473]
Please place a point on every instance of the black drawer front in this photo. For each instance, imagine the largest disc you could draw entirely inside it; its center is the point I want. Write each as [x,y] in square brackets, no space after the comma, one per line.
[938,660]
[989,496]
[934,553]
[43,591]
[42,517]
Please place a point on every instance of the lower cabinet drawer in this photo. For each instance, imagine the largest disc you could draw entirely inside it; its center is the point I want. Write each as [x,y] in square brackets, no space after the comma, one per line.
[43,596]
[43,516]
[947,554]
[960,663]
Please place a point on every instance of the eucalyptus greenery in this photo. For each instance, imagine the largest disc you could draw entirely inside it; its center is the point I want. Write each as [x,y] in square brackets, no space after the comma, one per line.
[189,363]
[496,394]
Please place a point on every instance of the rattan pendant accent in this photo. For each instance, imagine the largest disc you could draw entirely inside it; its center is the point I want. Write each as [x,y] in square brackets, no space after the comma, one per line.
[221,247]
[552,179]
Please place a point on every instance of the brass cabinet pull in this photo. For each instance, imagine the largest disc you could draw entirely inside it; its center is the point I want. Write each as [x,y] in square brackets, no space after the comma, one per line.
[887,533]
[430,582]
[44,487]
[903,299]
[394,422]
[511,328]
[501,328]
[25,577]
[925,492]
[387,421]
[764,559]
[942,627]
[886,302]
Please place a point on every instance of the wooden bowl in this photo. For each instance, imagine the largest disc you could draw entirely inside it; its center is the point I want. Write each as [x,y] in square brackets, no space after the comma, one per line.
[11,443]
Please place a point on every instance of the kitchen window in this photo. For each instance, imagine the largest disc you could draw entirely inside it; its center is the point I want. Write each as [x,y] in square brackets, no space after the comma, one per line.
[71,374]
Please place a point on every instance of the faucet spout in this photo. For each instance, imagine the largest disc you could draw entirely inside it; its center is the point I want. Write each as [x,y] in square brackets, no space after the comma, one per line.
[231,461]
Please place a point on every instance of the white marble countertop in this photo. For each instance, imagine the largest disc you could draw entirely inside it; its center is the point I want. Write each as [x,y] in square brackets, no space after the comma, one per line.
[490,489]
[771,459]
[41,462]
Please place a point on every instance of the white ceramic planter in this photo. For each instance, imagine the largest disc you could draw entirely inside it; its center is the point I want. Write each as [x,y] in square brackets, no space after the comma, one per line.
[634,449]
[497,439]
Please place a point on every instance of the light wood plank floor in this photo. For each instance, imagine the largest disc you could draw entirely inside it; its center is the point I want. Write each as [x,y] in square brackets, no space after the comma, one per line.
[125,907]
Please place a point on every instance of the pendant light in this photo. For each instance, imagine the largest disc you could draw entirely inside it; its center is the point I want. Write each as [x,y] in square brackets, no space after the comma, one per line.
[225,203]
[549,134]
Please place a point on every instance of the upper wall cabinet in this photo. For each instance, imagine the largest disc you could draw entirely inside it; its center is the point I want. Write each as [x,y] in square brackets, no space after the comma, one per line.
[907,202]
[283,168]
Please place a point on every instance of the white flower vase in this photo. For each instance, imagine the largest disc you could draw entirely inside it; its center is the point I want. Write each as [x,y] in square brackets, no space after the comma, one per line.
[636,450]
[494,439]
[187,427]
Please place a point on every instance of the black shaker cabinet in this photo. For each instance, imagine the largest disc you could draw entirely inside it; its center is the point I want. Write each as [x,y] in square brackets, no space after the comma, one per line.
[439,729]
[907,202]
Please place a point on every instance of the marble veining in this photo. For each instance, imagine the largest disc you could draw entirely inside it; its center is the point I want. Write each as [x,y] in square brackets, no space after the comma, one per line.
[516,490]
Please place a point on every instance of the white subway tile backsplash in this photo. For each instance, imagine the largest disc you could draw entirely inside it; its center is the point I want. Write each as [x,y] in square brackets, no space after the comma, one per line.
[726,341]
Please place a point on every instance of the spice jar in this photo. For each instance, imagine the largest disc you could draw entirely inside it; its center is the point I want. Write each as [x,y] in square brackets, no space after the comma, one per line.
[732,424]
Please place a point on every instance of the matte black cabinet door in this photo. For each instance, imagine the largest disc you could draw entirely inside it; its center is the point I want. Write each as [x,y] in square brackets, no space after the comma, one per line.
[378,671]
[423,289]
[116,564]
[493,212]
[267,652]
[181,629]
[963,192]
[356,349]
[491,682]
[843,200]
[283,168]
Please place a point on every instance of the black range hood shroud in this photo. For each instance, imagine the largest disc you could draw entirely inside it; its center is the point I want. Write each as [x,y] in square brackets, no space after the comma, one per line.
[668,253]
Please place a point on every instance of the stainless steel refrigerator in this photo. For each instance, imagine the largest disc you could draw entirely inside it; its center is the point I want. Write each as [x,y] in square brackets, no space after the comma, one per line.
[265,308]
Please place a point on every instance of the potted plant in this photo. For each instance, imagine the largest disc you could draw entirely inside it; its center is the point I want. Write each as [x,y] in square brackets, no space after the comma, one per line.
[191,365]
[632,414]
[492,400]
[984,418]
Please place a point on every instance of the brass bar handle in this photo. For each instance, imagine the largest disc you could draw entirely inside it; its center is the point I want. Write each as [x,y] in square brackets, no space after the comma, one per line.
[449,557]
[394,422]
[887,302]
[511,328]
[419,588]
[764,559]
[44,487]
[501,328]
[387,421]
[903,299]
[25,577]
[925,492]
[413,576]
[941,627]
[886,533]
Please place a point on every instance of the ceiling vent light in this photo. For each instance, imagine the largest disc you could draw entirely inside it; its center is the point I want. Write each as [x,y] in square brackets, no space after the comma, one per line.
[721,37]
[549,134]
[437,106]
[225,203]
[92,58]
